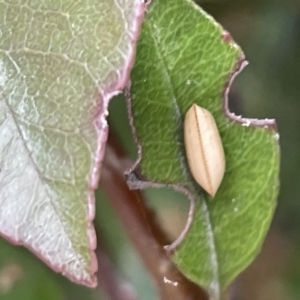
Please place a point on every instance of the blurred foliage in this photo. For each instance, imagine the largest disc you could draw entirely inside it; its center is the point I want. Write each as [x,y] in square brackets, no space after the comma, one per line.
[269,33]
[23,276]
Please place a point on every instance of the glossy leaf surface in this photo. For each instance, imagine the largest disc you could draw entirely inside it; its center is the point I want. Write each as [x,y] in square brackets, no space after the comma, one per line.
[60,63]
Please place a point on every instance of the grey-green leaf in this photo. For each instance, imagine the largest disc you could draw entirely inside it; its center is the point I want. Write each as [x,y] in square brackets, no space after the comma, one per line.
[60,63]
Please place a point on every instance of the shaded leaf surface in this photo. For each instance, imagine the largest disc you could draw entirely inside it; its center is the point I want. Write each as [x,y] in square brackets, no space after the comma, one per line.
[184,57]
[60,63]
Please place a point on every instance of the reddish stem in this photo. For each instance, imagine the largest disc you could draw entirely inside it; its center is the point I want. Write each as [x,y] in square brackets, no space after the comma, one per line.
[141,228]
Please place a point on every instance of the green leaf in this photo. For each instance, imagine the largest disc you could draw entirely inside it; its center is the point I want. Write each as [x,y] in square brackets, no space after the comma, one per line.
[60,63]
[184,57]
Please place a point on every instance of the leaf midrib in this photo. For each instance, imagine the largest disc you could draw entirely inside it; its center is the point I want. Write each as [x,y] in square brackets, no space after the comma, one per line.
[38,172]
[210,233]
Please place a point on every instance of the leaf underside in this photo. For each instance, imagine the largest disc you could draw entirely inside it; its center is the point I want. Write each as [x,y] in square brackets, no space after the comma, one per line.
[60,63]
[184,57]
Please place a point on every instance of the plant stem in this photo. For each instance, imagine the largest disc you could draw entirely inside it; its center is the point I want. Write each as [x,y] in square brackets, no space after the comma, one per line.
[142,230]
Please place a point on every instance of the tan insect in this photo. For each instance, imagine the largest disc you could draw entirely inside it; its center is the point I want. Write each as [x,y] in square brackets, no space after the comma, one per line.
[204,149]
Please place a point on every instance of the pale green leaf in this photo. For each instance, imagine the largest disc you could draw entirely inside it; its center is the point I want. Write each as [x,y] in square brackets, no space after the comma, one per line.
[60,63]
